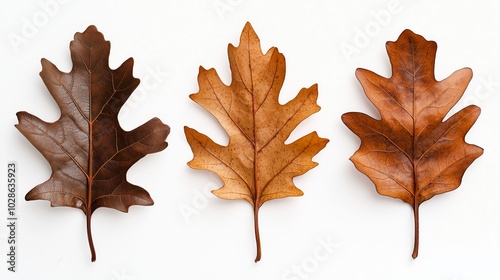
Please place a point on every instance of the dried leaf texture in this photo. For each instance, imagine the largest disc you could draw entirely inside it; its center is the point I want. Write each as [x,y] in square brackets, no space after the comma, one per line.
[88,151]
[256,165]
[411,153]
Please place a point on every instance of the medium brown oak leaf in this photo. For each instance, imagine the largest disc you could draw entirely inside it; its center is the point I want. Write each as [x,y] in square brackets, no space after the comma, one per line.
[88,151]
[410,153]
[256,165]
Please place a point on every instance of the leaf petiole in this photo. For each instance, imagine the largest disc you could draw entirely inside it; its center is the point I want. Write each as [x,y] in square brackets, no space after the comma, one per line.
[415,244]
[257,234]
[89,236]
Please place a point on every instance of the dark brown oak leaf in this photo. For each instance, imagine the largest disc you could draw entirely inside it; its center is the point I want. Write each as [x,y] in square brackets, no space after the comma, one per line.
[88,151]
[410,153]
[256,165]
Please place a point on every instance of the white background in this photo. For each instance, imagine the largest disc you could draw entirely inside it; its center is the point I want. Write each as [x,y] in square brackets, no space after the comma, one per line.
[169,40]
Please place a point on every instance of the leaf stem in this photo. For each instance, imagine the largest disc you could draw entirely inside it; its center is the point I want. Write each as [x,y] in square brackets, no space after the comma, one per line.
[415,217]
[257,234]
[89,236]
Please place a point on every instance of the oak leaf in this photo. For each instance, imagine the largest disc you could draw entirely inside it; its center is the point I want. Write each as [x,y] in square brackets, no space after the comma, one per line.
[256,165]
[88,151]
[411,153]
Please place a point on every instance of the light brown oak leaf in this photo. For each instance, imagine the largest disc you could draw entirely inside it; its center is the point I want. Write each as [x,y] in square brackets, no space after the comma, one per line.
[256,165]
